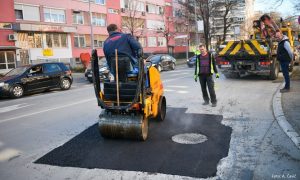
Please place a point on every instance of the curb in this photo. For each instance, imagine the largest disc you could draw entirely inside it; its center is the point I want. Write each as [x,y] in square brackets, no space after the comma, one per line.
[281,119]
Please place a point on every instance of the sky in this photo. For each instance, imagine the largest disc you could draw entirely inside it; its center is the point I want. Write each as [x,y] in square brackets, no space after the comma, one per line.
[286,8]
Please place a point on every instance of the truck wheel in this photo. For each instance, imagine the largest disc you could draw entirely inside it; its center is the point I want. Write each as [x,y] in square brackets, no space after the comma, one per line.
[274,70]
[162,108]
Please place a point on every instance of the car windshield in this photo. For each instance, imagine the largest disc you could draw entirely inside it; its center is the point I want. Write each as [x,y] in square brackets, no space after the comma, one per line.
[17,71]
[154,58]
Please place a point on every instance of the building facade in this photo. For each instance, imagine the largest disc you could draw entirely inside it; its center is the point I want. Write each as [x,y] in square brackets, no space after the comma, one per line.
[7,41]
[34,31]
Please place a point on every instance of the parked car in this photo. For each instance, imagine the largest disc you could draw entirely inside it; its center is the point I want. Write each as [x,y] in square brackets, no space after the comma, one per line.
[191,61]
[103,71]
[34,78]
[162,62]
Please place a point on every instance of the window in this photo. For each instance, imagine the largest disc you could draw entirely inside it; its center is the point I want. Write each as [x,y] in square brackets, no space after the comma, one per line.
[5,26]
[55,40]
[79,41]
[161,41]
[154,9]
[27,12]
[133,5]
[153,24]
[30,40]
[99,19]
[54,15]
[99,40]
[142,41]
[36,70]
[49,68]
[19,14]
[78,18]
[152,42]
[113,11]
[101,2]
[138,23]
[7,60]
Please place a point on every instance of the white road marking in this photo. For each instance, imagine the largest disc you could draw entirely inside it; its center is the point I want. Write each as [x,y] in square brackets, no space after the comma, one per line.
[51,109]
[13,107]
[9,154]
[174,79]
[181,87]
[179,74]
[169,90]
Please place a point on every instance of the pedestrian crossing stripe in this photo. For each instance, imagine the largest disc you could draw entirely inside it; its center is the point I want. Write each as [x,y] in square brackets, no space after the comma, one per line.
[251,47]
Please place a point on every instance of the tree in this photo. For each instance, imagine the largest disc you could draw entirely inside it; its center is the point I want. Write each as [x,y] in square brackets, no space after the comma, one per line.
[166,29]
[133,22]
[228,6]
[206,8]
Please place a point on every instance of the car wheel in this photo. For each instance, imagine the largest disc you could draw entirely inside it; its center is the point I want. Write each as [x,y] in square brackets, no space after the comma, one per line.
[159,68]
[173,66]
[65,83]
[17,91]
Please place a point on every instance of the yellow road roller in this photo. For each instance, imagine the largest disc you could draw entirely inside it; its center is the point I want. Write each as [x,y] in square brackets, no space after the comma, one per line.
[130,100]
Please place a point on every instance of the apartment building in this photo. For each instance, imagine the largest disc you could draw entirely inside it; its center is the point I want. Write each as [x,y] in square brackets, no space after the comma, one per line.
[34,31]
[7,43]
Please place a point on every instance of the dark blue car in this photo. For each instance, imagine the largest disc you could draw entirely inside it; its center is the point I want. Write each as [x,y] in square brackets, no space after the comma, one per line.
[32,78]
[191,62]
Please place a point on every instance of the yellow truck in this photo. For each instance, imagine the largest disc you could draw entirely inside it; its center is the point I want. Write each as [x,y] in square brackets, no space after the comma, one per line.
[256,55]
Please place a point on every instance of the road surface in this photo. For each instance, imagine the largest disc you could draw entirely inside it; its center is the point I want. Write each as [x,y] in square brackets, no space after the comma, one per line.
[53,135]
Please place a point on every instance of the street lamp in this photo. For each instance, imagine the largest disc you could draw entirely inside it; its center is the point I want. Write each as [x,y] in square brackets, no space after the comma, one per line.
[187,41]
[91,23]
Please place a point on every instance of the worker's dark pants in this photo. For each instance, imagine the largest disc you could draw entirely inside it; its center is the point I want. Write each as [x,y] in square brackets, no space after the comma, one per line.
[285,71]
[208,81]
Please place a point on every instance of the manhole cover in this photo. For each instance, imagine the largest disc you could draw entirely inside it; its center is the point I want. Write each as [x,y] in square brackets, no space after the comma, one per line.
[189,138]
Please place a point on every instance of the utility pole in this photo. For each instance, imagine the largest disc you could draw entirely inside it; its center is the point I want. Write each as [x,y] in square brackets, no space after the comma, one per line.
[91,23]
[196,32]
[187,41]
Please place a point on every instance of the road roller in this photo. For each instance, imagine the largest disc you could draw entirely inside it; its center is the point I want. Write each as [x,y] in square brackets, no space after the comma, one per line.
[128,102]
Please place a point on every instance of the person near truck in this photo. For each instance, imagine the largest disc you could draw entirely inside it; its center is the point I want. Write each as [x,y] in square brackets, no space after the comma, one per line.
[269,27]
[284,56]
[204,70]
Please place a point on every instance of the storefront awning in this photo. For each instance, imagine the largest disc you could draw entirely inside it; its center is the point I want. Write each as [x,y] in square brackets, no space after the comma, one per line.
[9,48]
[45,28]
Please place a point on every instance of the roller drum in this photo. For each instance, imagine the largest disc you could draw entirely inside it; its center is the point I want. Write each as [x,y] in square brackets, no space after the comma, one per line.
[123,125]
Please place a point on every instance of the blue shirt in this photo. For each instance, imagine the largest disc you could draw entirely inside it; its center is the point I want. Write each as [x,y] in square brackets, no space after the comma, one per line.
[124,43]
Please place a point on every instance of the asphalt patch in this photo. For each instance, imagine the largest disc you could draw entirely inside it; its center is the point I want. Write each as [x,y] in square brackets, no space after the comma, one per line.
[158,154]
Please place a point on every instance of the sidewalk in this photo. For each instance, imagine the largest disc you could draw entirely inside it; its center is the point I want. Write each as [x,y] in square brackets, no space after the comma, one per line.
[291,101]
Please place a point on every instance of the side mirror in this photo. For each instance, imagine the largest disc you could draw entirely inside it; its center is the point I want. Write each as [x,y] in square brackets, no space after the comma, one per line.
[148,64]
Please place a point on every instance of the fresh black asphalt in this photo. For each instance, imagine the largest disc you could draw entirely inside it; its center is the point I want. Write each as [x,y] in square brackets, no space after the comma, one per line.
[158,154]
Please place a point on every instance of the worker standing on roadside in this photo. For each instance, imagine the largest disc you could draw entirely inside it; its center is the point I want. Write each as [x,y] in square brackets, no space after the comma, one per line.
[284,56]
[204,69]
